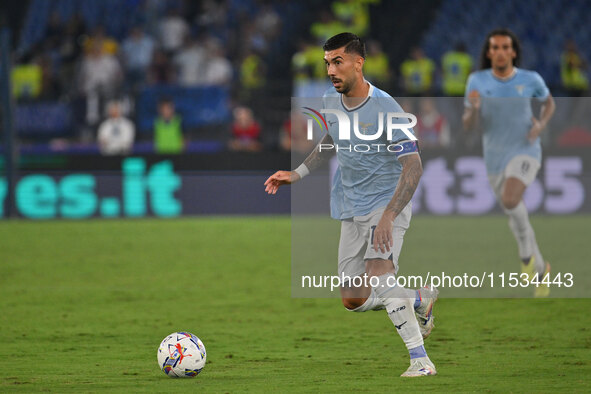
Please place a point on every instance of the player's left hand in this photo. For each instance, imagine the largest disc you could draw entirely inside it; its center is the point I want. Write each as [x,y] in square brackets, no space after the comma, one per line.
[382,235]
[535,130]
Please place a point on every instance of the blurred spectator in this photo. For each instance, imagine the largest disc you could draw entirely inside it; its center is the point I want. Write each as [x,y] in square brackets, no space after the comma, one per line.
[161,70]
[26,81]
[168,131]
[309,70]
[252,76]
[268,22]
[294,135]
[575,137]
[137,50]
[99,38]
[573,69]
[217,70]
[212,13]
[151,12]
[326,27]
[69,46]
[432,127]
[246,131]
[354,14]
[417,73]
[299,66]
[253,38]
[173,29]
[211,16]
[190,62]
[99,78]
[100,72]
[376,67]
[70,50]
[456,66]
[50,89]
[307,63]
[116,133]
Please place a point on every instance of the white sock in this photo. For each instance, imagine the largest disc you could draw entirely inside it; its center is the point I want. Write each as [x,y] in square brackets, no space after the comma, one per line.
[524,235]
[399,305]
[519,225]
[373,303]
[540,263]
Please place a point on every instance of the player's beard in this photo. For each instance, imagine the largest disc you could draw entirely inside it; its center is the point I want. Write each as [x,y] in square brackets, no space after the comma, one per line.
[345,87]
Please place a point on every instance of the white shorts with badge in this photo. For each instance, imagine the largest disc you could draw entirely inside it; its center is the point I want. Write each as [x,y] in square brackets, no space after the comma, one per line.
[523,167]
[356,246]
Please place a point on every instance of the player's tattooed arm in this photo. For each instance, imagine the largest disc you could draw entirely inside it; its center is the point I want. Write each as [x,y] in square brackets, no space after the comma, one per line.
[412,169]
[312,162]
[320,156]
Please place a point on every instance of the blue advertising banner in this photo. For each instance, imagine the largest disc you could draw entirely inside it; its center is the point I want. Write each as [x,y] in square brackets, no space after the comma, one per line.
[156,187]
[140,190]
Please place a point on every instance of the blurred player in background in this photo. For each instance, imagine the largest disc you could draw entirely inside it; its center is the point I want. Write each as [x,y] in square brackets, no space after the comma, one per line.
[370,195]
[498,100]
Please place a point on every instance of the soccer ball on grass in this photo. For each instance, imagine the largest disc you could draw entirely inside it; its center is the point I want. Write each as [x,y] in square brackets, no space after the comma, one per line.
[181,354]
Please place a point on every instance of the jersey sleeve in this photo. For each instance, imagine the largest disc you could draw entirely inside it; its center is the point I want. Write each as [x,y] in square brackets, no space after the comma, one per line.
[540,90]
[404,145]
[470,86]
[397,134]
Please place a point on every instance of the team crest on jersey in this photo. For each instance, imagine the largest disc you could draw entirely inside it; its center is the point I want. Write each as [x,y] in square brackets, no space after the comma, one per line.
[520,89]
[364,127]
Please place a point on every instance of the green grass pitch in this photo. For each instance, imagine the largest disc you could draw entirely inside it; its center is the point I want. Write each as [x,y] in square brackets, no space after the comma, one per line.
[84,305]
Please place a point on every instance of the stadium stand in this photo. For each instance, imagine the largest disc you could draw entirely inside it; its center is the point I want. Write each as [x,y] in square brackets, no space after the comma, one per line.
[542,27]
[261,37]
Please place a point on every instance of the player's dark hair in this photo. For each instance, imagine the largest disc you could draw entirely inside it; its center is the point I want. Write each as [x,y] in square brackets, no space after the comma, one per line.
[485,61]
[350,41]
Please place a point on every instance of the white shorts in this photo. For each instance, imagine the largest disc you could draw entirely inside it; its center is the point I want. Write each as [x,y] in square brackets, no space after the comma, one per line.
[355,245]
[523,167]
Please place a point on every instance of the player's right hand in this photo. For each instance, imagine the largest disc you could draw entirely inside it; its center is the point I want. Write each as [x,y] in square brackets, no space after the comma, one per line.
[474,99]
[280,178]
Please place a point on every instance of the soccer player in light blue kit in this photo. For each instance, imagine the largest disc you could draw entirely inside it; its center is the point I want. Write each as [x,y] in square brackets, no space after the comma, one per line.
[498,100]
[371,196]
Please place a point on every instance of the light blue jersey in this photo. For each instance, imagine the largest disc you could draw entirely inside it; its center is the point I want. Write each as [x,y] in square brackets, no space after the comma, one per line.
[364,181]
[506,115]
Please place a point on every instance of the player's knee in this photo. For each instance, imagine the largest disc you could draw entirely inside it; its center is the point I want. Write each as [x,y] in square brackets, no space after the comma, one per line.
[510,201]
[352,303]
